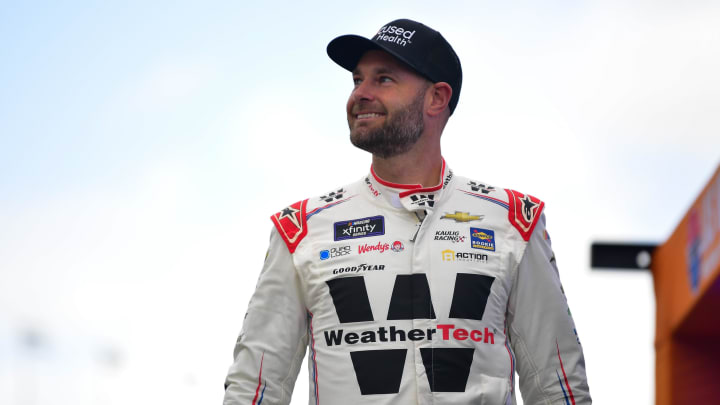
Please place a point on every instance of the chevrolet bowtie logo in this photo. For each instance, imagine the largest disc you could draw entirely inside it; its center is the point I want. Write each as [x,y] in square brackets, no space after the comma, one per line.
[462,217]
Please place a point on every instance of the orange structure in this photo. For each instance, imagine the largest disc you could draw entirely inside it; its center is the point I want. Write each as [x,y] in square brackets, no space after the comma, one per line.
[686,275]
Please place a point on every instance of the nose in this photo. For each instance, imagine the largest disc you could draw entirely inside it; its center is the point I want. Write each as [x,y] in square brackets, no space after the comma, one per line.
[363,91]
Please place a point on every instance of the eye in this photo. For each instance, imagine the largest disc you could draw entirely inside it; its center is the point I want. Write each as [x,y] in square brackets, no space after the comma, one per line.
[357,81]
[385,79]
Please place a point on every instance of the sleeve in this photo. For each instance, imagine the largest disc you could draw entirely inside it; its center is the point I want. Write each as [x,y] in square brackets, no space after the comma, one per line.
[271,346]
[549,356]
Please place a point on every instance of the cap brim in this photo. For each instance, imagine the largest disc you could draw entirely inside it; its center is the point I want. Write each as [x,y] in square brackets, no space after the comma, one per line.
[347,50]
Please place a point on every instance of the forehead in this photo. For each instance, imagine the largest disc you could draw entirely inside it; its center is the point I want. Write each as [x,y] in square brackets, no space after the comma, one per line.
[377,60]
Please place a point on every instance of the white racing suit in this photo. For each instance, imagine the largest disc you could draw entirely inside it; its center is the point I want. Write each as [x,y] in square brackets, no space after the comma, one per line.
[410,295]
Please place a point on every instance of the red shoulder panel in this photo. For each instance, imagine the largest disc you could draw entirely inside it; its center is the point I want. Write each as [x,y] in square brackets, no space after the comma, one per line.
[291,224]
[524,212]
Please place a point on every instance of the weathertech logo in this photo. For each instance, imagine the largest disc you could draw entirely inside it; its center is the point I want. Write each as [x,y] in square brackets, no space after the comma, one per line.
[398,35]
[382,334]
[380,371]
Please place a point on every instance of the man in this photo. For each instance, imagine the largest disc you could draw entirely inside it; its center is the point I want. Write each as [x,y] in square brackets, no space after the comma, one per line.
[411,285]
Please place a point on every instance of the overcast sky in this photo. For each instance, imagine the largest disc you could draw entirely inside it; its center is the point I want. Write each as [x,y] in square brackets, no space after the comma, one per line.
[144,145]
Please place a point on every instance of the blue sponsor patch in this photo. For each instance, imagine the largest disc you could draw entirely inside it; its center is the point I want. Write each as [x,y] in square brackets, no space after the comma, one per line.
[359,228]
[482,239]
[334,252]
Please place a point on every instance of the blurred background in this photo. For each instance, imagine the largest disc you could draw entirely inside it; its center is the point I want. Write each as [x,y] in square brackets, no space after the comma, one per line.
[144,145]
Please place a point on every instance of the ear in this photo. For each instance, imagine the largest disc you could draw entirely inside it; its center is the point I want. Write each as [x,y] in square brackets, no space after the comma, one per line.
[440,94]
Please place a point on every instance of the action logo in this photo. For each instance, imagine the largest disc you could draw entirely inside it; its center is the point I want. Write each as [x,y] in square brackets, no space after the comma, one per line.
[451,256]
[482,239]
[359,228]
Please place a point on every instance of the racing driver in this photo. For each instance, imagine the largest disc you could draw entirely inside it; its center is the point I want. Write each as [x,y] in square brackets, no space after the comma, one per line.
[412,285]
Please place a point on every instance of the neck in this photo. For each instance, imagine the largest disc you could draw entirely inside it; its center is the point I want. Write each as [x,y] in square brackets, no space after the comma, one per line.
[420,165]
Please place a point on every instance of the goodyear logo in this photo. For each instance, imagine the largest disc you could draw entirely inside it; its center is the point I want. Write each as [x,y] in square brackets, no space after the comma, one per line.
[482,239]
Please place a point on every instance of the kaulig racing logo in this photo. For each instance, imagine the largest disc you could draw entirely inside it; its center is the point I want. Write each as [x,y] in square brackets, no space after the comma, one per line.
[452,236]
[394,34]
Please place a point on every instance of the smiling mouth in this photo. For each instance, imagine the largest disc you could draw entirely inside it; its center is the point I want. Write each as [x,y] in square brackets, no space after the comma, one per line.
[368,115]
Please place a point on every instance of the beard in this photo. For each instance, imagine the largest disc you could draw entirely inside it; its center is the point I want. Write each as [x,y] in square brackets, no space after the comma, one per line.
[400,131]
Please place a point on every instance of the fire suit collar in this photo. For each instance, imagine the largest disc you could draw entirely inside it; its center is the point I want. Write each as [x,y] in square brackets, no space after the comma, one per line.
[411,196]
[407,189]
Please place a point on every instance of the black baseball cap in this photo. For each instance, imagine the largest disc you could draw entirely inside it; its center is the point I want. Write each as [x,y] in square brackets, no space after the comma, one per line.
[417,45]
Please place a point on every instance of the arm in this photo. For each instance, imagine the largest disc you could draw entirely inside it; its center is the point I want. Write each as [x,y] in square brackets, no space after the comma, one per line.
[272,342]
[542,333]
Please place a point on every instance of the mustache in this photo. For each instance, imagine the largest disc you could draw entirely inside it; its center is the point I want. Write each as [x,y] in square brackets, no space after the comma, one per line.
[365,106]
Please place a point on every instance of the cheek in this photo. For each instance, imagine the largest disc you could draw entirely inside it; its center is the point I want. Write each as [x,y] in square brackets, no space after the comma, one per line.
[349,105]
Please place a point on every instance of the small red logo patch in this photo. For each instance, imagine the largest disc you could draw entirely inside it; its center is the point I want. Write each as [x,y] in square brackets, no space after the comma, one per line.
[291,224]
[524,212]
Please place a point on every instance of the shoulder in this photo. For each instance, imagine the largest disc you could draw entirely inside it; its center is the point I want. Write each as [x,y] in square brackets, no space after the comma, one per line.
[292,221]
[523,210]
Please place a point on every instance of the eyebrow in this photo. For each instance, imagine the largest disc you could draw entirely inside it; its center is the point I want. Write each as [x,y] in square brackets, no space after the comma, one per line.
[377,71]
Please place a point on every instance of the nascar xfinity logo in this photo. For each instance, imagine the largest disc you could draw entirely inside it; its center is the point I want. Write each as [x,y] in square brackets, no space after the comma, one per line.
[359,228]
